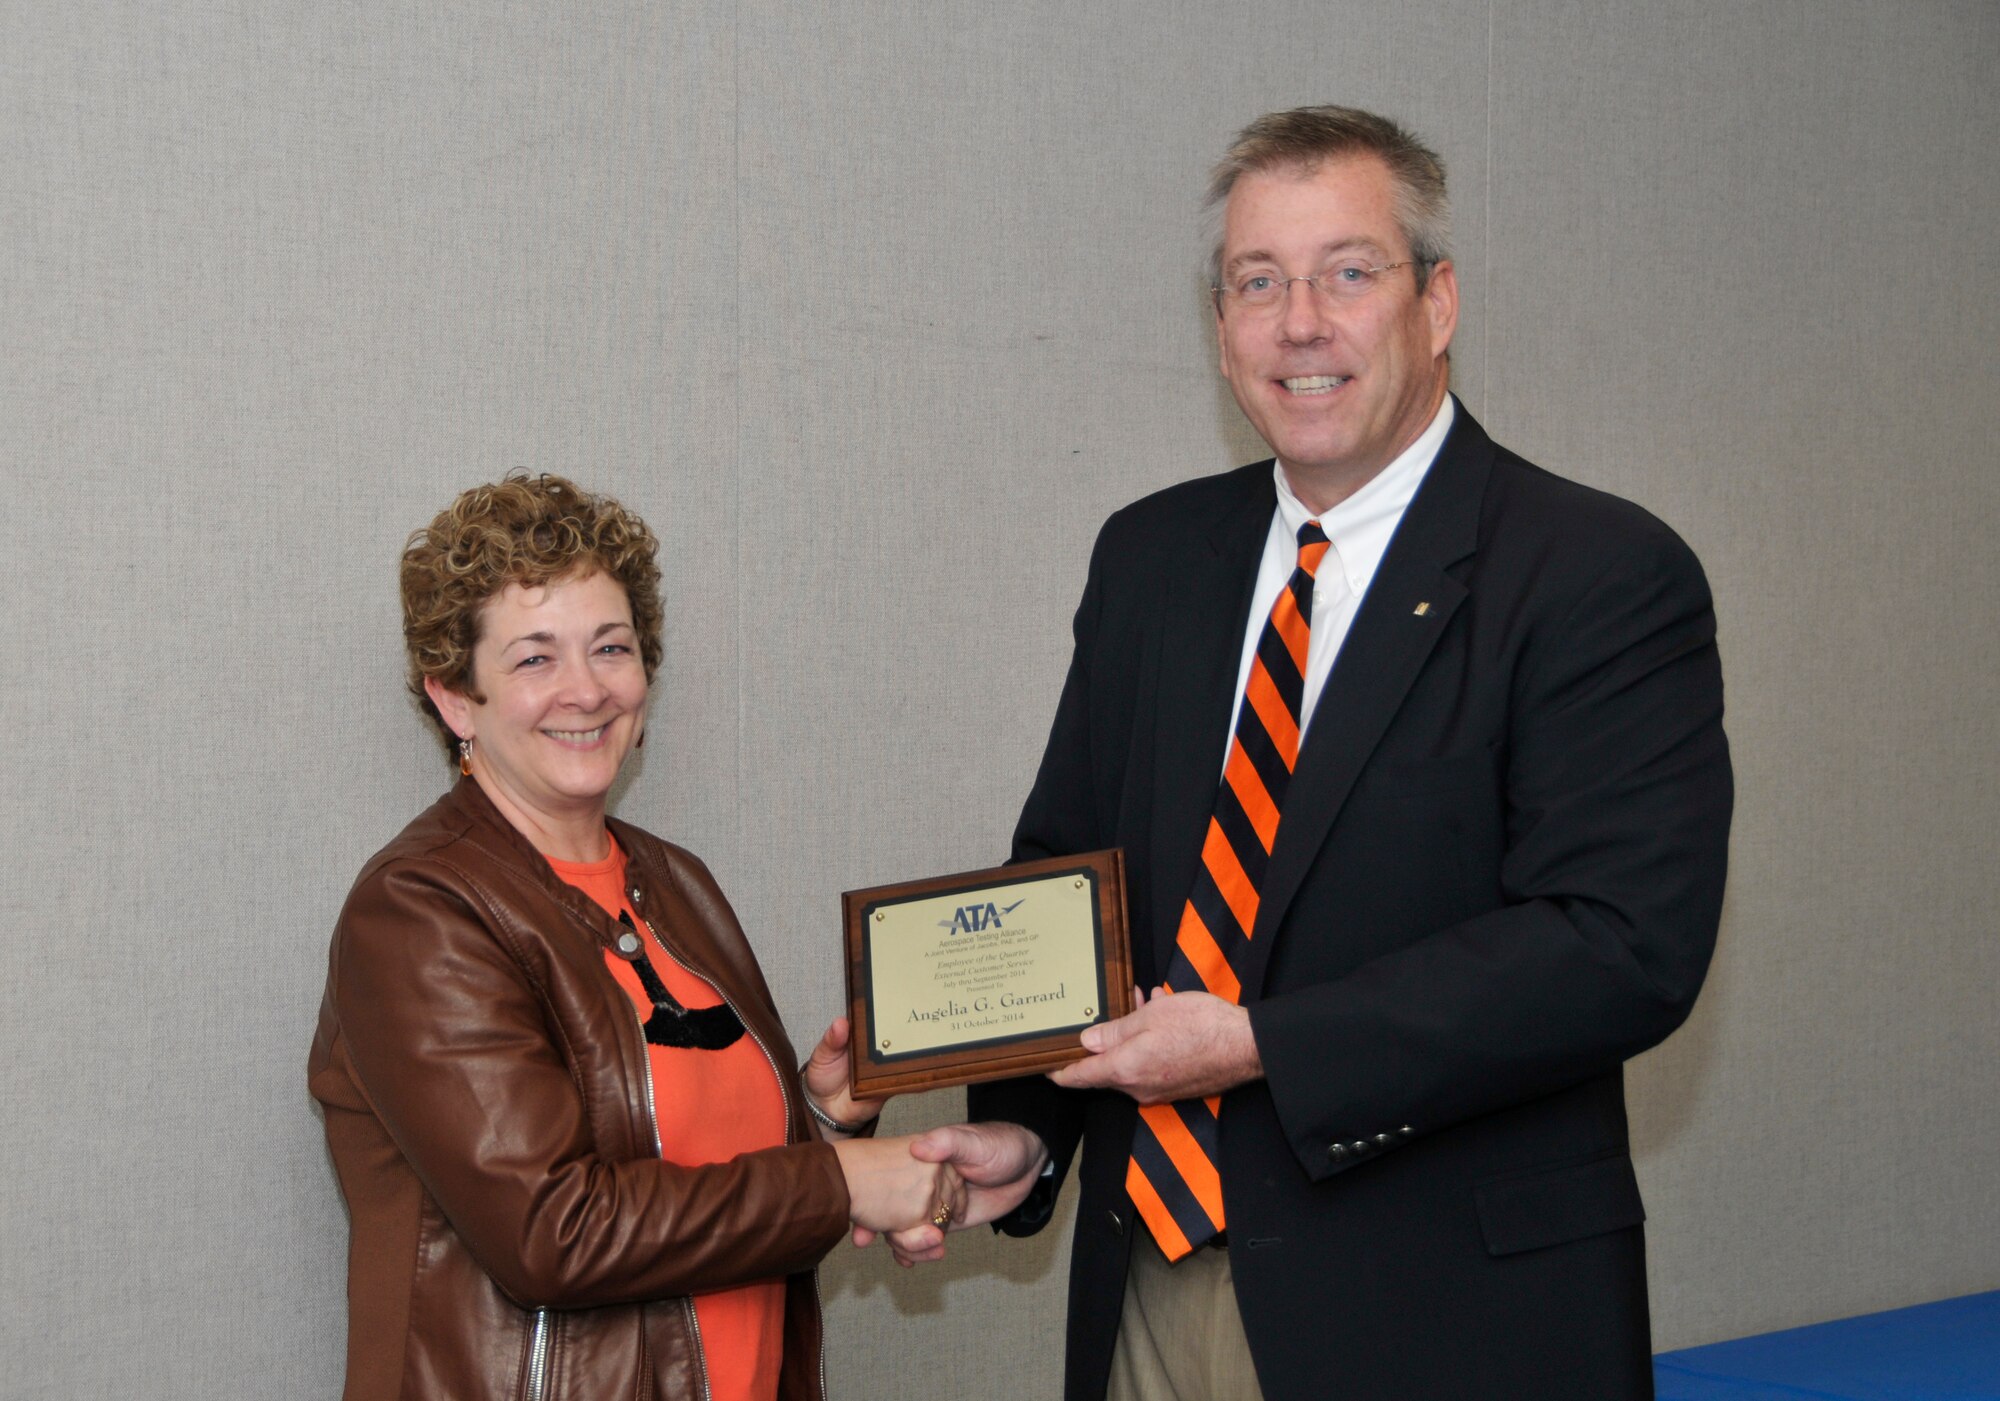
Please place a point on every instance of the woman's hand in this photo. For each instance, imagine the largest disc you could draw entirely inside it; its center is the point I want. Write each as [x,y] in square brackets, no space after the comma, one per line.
[825,1077]
[890,1190]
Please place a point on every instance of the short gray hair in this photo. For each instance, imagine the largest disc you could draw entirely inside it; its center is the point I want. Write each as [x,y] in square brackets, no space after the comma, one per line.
[1307,137]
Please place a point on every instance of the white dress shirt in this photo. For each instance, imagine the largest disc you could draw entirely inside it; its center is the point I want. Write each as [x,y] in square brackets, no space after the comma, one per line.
[1359,530]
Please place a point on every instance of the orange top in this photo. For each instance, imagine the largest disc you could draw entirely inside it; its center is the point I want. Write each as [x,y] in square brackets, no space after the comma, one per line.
[709,1106]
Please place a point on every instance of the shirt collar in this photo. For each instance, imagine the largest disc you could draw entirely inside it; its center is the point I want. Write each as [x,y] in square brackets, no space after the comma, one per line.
[1360,527]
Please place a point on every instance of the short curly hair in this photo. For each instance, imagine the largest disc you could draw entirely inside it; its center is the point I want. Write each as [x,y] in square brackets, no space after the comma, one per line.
[519,530]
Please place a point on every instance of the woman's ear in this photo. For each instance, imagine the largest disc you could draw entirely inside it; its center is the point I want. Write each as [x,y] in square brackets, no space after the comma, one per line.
[455,708]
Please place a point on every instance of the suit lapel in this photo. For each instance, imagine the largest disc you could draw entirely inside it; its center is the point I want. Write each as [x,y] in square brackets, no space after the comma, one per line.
[1379,661]
[1206,611]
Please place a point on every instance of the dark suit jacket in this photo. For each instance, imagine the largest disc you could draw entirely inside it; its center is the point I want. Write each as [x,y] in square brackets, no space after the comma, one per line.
[1498,875]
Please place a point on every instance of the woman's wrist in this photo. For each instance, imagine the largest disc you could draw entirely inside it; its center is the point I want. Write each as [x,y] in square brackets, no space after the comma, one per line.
[832,1124]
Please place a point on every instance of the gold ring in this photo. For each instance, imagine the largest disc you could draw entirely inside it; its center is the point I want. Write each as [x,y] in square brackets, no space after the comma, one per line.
[942,1216]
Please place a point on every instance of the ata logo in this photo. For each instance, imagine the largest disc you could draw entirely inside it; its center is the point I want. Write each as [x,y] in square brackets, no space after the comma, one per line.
[970,919]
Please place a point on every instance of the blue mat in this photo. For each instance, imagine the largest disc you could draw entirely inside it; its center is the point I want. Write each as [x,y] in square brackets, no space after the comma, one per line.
[1947,1351]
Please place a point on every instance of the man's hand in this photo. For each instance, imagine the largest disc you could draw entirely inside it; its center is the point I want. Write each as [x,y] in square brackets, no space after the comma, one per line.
[998,1163]
[1175,1046]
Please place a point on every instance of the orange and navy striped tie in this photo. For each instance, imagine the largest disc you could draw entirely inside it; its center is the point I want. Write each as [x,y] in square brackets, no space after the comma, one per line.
[1172,1176]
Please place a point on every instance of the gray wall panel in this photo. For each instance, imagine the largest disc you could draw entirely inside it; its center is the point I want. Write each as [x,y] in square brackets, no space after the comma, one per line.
[875,314]
[1742,272]
[278,283]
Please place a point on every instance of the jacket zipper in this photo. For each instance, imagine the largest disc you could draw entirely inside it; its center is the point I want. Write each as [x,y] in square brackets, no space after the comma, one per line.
[700,1357]
[659,1151]
[784,1094]
[538,1357]
[784,1090]
[653,1120]
[819,1307]
[646,1066]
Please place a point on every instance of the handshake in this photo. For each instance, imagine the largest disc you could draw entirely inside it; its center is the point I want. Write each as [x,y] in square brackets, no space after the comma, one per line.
[914,1189]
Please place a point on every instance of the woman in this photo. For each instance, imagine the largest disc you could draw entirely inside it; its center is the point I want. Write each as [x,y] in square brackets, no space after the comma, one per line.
[558,1097]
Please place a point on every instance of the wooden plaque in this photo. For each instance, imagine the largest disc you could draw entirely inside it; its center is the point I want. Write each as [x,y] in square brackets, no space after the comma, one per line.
[983,975]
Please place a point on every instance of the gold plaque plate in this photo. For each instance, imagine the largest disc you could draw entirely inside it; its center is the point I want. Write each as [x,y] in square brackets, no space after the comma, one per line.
[985,974]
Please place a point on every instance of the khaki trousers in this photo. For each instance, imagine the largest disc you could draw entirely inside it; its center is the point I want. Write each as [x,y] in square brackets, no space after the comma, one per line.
[1180,1337]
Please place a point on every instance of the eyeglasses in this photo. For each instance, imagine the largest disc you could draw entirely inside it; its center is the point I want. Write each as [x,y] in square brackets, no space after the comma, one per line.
[1343,282]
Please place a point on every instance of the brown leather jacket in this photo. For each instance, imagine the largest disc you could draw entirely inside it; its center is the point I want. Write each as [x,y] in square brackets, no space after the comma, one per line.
[485,1083]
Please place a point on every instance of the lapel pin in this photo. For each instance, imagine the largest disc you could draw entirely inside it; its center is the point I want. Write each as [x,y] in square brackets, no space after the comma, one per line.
[1423,608]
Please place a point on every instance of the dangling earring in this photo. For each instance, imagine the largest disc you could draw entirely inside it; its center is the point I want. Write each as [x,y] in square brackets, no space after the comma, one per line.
[465,756]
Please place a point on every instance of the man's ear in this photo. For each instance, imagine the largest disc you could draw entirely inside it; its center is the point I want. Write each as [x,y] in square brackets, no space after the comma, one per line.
[1441,306]
[1221,340]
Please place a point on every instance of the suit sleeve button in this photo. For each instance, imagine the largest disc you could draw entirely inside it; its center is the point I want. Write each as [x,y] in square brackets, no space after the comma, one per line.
[1337,1152]
[1360,1145]
[1385,1139]
[1406,1131]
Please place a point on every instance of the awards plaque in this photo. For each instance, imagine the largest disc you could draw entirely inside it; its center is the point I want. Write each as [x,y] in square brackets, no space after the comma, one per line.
[983,975]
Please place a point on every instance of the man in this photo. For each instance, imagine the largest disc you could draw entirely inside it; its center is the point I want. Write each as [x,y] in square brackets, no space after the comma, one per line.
[1415,753]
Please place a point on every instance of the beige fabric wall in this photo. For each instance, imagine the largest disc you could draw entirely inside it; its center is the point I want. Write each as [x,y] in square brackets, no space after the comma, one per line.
[876,311]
